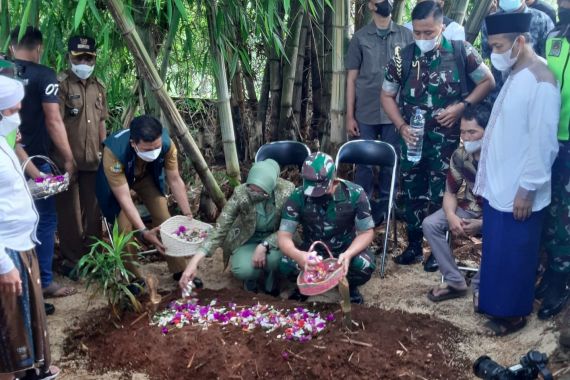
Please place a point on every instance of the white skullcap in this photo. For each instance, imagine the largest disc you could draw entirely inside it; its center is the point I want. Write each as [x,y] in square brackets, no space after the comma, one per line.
[11,92]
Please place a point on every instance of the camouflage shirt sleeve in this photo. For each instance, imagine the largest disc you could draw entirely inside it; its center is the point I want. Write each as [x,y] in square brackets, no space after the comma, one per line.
[291,215]
[225,221]
[475,67]
[363,219]
[392,80]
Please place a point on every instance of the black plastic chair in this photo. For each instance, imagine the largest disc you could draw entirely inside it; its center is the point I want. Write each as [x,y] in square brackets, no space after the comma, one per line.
[377,153]
[284,152]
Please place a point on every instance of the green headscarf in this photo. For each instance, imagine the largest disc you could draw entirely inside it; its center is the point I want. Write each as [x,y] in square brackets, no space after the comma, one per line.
[264,175]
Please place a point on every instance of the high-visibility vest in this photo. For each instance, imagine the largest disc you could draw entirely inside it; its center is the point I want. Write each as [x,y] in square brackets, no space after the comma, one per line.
[558,58]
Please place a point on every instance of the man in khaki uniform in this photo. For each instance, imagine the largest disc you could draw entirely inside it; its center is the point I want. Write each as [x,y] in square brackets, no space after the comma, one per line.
[142,158]
[83,107]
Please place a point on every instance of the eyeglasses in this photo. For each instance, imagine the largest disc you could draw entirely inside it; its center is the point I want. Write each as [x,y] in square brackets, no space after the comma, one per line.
[87,58]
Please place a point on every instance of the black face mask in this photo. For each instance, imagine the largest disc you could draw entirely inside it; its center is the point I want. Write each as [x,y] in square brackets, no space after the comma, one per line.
[384,8]
[564,15]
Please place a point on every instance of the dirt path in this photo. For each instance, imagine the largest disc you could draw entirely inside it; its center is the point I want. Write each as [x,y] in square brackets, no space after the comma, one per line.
[404,288]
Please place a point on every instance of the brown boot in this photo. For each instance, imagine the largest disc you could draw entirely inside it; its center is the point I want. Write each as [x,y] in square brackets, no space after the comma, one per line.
[565,330]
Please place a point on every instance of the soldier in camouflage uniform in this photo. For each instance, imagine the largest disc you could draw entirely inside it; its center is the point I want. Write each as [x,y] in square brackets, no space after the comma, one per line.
[334,211]
[556,239]
[434,85]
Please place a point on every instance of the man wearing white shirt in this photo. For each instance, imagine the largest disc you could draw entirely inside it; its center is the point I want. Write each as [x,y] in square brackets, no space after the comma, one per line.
[452,30]
[514,174]
[24,343]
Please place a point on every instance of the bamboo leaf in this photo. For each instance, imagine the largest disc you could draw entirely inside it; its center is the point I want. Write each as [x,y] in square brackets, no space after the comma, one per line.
[79,11]
[24,21]
[95,11]
[181,9]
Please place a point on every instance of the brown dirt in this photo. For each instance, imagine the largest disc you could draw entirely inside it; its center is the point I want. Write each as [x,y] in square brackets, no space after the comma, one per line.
[404,346]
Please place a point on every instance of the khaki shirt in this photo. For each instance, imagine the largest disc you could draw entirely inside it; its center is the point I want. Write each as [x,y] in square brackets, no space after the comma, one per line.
[115,172]
[83,106]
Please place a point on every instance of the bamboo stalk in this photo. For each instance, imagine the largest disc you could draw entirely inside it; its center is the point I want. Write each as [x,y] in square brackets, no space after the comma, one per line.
[338,100]
[224,108]
[362,14]
[289,70]
[299,76]
[398,11]
[177,126]
[478,13]
[458,10]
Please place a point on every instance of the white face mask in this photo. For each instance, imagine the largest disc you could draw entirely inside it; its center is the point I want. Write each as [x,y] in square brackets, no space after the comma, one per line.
[472,146]
[509,5]
[82,71]
[427,45]
[149,156]
[9,124]
[503,61]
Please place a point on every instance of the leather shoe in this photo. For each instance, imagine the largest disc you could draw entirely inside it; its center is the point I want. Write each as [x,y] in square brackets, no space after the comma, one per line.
[412,255]
[431,264]
[49,308]
[542,285]
[555,297]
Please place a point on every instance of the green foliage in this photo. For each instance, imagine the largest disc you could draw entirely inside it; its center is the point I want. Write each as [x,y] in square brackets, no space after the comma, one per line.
[103,270]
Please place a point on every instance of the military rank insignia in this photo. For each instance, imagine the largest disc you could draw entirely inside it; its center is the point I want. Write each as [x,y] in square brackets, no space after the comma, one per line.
[117,167]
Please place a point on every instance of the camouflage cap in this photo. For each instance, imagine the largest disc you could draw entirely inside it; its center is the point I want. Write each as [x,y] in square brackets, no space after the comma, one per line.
[318,171]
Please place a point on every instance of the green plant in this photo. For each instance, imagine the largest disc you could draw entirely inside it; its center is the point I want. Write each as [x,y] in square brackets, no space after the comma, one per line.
[104,271]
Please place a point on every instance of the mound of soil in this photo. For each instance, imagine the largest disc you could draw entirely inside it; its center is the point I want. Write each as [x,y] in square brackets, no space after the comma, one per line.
[387,344]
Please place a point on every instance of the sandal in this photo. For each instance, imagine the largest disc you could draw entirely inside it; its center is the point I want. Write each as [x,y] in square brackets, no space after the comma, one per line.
[54,290]
[501,327]
[448,294]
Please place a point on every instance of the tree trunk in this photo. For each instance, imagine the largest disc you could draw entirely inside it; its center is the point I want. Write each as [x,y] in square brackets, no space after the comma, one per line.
[326,86]
[298,123]
[362,14]
[169,43]
[257,139]
[4,25]
[458,10]
[149,40]
[338,88]
[237,104]
[286,121]
[478,13]
[398,11]
[275,90]
[224,108]
[178,127]
[317,74]
[305,90]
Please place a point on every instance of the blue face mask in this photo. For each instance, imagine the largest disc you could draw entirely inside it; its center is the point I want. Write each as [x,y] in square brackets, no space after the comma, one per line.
[509,5]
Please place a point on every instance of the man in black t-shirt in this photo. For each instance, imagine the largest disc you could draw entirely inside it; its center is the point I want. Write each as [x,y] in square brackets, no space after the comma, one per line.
[42,131]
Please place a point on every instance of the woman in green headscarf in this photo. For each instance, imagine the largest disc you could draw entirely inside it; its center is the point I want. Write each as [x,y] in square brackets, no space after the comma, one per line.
[246,229]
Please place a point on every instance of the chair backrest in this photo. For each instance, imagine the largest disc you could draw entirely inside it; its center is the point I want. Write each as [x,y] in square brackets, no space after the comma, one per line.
[367,152]
[284,152]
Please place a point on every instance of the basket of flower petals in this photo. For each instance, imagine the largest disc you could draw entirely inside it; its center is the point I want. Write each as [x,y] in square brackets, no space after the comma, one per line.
[181,236]
[48,184]
[321,275]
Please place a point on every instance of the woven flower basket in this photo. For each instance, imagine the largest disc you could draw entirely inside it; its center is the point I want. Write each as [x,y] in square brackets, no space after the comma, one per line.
[47,187]
[331,280]
[176,246]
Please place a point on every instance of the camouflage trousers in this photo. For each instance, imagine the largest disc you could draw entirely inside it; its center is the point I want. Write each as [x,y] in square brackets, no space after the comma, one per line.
[359,272]
[423,182]
[556,234]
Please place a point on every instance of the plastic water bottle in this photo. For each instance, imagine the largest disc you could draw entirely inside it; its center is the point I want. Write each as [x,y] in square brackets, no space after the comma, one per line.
[417,126]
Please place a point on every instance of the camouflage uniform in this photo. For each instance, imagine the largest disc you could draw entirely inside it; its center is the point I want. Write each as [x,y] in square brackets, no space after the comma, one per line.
[557,224]
[334,220]
[432,85]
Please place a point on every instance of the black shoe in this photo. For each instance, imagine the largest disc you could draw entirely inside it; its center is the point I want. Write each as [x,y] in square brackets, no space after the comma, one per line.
[555,297]
[412,255]
[177,276]
[431,264]
[355,296]
[542,285]
[49,308]
[251,286]
[137,287]
[297,296]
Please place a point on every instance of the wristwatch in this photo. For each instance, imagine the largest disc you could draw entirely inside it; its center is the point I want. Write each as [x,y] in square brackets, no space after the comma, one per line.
[140,234]
[466,103]
[266,245]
